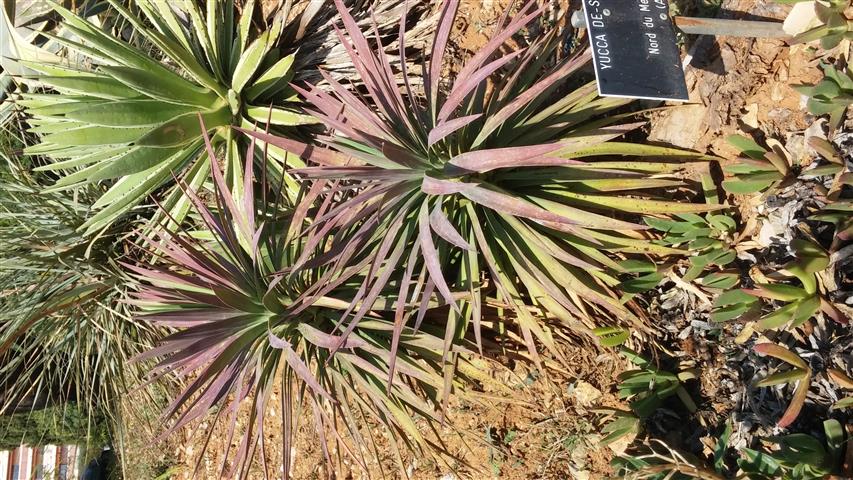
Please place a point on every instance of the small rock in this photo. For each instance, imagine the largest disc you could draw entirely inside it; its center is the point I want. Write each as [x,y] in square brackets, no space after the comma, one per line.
[585,394]
[801,18]
[682,126]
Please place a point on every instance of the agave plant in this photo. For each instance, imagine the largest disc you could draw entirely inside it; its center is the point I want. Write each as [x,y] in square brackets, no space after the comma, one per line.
[445,184]
[247,318]
[130,115]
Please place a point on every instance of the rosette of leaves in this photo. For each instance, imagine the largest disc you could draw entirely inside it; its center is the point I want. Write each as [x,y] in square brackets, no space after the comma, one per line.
[247,319]
[65,335]
[803,302]
[127,111]
[839,207]
[765,170]
[789,457]
[797,456]
[709,237]
[448,184]
[831,96]
[648,386]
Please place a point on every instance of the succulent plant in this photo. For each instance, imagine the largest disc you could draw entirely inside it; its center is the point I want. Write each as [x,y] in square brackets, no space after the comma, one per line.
[65,335]
[831,96]
[494,174]
[247,316]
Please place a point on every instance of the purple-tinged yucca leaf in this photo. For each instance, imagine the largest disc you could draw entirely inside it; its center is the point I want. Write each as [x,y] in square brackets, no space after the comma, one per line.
[438,133]
[431,259]
[442,226]
[482,161]
[464,88]
[439,47]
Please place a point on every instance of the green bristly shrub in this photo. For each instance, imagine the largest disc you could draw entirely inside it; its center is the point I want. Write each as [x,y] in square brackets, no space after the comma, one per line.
[55,425]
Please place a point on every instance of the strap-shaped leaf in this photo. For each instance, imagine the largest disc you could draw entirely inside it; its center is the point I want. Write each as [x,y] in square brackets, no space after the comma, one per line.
[797,402]
[782,353]
[280,73]
[183,129]
[96,135]
[100,86]
[778,291]
[131,190]
[279,116]
[170,90]
[250,61]
[128,113]
[787,376]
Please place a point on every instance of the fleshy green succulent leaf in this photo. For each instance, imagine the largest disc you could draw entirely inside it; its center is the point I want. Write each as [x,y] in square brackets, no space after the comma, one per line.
[797,402]
[722,281]
[778,291]
[781,353]
[747,146]
[787,376]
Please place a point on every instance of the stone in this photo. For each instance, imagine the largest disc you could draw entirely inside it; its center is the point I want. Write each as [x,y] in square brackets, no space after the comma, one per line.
[585,394]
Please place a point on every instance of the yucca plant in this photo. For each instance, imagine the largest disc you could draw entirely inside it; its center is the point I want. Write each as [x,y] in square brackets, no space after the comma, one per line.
[495,173]
[65,335]
[128,108]
[248,317]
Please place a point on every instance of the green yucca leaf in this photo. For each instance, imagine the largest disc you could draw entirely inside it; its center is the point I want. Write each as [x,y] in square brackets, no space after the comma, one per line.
[130,98]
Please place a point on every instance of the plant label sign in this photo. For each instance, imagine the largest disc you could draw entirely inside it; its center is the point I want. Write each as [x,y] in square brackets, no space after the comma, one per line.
[634,49]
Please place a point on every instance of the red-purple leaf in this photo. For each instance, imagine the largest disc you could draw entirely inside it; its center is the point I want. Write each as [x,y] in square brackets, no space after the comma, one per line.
[431,259]
[298,366]
[797,402]
[444,129]
[439,45]
[463,88]
[442,226]
[482,161]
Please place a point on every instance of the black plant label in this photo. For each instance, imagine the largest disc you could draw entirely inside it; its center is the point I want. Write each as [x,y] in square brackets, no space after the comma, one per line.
[634,49]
